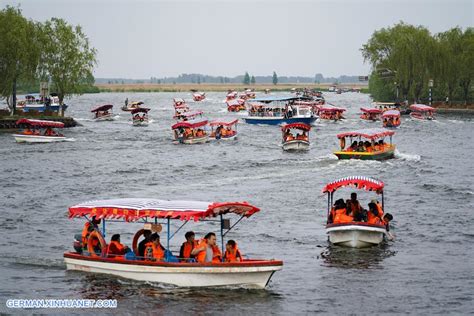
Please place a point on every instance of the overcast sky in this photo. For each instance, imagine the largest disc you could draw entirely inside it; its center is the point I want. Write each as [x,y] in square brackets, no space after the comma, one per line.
[144,38]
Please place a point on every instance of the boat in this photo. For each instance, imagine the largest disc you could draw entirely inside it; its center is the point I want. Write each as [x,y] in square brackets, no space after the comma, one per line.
[250,93]
[370,114]
[189,115]
[39,131]
[385,106]
[179,106]
[391,118]
[225,129]
[199,96]
[355,234]
[274,110]
[41,104]
[422,112]
[300,141]
[132,106]
[103,112]
[236,105]
[231,95]
[190,132]
[140,116]
[330,112]
[373,148]
[154,214]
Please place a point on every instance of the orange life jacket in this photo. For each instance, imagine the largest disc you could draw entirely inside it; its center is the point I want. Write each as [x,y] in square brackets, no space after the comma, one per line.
[115,248]
[187,248]
[216,253]
[86,231]
[231,256]
[28,132]
[342,217]
[354,207]
[376,219]
[153,252]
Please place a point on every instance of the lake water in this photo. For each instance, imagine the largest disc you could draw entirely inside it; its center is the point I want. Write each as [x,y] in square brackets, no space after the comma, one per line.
[428,269]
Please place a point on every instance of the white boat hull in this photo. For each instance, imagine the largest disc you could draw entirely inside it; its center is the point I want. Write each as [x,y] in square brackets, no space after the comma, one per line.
[109,117]
[199,276]
[233,137]
[356,236]
[194,140]
[19,138]
[296,145]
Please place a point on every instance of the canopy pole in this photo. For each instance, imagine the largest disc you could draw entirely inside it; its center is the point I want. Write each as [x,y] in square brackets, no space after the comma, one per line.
[168,239]
[222,237]
[103,227]
[178,229]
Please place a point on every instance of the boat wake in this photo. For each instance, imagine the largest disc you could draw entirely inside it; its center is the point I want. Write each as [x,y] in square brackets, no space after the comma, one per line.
[407,157]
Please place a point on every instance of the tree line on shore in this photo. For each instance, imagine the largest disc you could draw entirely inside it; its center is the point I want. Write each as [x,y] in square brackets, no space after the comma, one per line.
[54,52]
[408,60]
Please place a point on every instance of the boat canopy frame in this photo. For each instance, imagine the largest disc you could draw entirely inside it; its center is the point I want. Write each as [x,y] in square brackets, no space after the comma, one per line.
[358,182]
[197,212]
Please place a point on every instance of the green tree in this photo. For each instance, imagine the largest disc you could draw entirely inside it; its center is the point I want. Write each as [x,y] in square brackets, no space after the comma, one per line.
[406,53]
[381,89]
[19,52]
[275,78]
[246,78]
[252,80]
[67,58]
[466,74]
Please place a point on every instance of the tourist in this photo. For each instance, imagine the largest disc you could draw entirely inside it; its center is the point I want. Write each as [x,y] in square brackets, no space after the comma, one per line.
[188,246]
[154,251]
[340,213]
[115,248]
[207,250]
[354,208]
[142,244]
[89,227]
[232,253]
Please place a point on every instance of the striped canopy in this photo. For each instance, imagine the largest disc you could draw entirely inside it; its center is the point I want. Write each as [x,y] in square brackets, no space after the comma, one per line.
[132,209]
[391,113]
[370,133]
[421,107]
[40,123]
[359,182]
[371,110]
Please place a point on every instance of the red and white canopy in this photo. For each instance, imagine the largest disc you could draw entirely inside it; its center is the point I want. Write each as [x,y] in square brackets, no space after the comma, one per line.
[105,107]
[361,183]
[232,94]
[371,110]
[391,113]
[140,110]
[330,108]
[132,209]
[190,124]
[40,123]
[234,102]
[371,133]
[301,126]
[224,122]
[421,108]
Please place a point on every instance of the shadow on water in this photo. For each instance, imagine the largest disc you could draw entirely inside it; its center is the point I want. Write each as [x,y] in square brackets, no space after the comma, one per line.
[93,286]
[353,258]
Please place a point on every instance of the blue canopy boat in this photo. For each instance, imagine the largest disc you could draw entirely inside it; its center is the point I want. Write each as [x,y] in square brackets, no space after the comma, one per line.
[276,110]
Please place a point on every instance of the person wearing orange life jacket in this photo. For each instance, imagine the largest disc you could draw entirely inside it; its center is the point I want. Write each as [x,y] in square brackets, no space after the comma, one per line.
[115,248]
[374,215]
[340,213]
[89,227]
[354,208]
[154,251]
[188,246]
[28,131]
[207,250]
[232,253]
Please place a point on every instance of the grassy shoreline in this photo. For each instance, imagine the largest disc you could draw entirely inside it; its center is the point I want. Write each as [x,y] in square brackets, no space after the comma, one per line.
[154,87]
